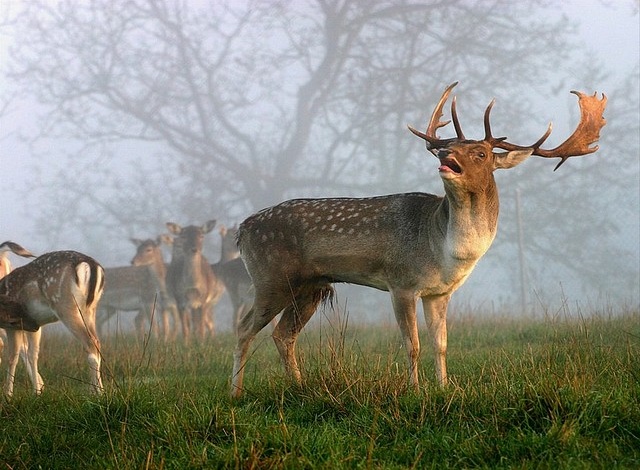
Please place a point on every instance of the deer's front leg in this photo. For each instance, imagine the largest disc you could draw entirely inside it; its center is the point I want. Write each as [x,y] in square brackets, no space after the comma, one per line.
[404,307]
[15,343]
[435,313]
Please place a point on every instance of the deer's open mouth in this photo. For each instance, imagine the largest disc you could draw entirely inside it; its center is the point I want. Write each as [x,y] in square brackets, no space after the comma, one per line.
[449,165]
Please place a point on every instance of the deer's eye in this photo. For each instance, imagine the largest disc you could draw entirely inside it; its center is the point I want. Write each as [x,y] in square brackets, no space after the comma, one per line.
[481,155]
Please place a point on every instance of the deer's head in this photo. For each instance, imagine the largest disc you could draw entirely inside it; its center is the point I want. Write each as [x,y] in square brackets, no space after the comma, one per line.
[468,164]
[189,240]
[149,251]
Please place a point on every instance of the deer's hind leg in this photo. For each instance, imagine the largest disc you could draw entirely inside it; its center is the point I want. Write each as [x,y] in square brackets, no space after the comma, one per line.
[293,319]
[268,303]
[82,324]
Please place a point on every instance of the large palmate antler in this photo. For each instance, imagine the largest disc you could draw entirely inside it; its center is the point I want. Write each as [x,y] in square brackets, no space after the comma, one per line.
[579,143]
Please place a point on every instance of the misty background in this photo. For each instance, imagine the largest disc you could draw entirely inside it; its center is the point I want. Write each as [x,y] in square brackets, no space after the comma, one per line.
[117,116]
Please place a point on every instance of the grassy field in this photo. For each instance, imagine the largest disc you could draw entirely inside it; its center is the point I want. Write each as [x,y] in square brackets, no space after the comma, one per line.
[553,393]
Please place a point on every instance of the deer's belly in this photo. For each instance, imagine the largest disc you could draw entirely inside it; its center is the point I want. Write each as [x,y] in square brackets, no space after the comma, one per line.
[41,313]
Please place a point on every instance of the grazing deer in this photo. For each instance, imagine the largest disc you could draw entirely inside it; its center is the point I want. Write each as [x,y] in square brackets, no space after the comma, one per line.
[149,255]
[61,286]
[413,245]
[191,280]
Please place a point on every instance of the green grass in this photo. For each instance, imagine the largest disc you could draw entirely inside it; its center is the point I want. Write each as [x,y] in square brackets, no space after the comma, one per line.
[554,393]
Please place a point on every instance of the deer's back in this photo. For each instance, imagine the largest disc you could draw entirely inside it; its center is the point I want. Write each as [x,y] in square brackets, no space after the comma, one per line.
[357,240]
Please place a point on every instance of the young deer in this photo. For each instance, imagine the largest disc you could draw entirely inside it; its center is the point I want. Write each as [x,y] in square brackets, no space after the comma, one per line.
[61,286]
[149,255]
[413,245]
[191,280]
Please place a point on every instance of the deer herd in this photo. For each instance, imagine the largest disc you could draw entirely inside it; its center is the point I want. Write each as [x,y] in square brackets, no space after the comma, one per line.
[284,259]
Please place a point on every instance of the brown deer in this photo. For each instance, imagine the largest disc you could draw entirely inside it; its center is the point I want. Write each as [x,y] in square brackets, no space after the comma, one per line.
[191,280]
[231,271]
[149,255]
[61,286]
[128,289]
[237,282]
[7,306]
[13,316]
[413,245]
[228,246]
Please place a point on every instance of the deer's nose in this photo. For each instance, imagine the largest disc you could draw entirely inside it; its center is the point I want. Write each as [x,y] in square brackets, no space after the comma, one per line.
[443,153]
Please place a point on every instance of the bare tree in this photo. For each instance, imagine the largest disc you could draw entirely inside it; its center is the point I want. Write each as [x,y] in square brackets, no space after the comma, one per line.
[251,93]
[218,110]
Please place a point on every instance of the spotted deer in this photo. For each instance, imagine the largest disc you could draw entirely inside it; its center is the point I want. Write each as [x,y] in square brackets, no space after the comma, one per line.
[149,255]
[191,280]
[7,307]
[61,286]
[413,245]
[13,316]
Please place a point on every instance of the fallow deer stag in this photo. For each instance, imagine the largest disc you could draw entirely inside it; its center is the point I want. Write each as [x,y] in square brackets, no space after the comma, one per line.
[412,245]
[61,286]
[191,280]
[149,255]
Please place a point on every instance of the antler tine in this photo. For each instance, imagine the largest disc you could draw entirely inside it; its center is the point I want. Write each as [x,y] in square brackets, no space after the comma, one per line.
[579,143]
[430,135]
[487,124]
[456,123]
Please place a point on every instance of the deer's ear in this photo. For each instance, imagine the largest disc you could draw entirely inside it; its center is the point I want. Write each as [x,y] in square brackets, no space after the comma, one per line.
[510,159]
[208,226]
[165,238]
[174,228]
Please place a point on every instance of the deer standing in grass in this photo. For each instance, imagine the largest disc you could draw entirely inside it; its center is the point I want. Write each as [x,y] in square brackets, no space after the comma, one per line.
[232,272]
[149,255]
[13,316]
[61,286]
[237,281]
[413,245]
[191,280]
[140,288]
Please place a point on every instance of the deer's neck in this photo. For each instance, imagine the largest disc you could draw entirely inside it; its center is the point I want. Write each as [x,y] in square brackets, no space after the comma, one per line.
[228,253]
[5,265]
[158,272]
[471,220]
[160,269]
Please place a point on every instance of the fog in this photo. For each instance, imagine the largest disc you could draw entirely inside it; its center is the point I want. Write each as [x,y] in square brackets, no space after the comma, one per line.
[88,170]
